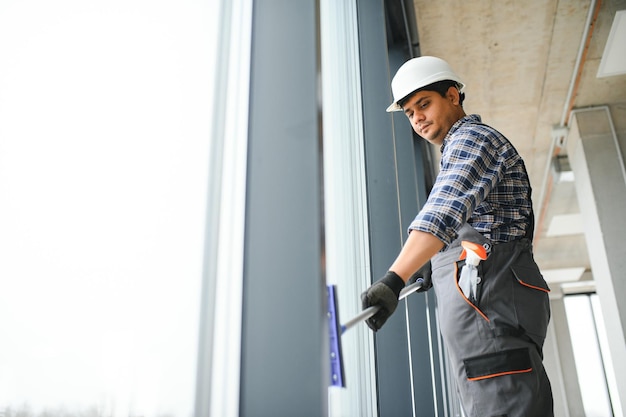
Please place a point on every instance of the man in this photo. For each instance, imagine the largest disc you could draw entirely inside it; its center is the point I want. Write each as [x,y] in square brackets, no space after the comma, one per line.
[494,335]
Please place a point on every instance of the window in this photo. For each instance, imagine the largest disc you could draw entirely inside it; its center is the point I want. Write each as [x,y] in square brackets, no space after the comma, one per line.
[590,352]
[103,167]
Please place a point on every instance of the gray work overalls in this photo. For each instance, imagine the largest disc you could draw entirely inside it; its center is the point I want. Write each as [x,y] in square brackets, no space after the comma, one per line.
[495,344]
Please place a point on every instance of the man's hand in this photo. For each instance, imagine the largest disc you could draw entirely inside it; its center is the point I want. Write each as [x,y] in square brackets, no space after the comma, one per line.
[383,293]
[423,274]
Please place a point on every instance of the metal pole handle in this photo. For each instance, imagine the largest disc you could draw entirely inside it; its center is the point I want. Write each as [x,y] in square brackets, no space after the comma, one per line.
[370,311]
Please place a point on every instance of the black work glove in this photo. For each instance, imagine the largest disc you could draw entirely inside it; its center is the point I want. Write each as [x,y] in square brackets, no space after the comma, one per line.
[423,274]
[383,293]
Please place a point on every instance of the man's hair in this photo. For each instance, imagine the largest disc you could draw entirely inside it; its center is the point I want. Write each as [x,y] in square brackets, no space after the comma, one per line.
[440,87]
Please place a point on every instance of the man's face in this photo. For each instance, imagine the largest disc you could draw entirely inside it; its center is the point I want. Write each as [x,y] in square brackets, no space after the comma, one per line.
[432,115]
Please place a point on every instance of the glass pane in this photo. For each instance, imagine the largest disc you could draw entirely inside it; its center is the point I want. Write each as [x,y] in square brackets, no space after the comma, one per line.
[607,359]
[587,356]
[103,150]
[345,203]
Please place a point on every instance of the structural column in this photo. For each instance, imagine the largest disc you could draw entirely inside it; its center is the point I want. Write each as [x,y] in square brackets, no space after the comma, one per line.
[597,161]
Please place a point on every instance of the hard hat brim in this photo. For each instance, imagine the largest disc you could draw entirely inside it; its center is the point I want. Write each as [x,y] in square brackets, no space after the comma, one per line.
[394,107]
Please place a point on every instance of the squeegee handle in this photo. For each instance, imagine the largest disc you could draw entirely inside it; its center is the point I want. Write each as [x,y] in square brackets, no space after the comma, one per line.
[370,311]
[362,316]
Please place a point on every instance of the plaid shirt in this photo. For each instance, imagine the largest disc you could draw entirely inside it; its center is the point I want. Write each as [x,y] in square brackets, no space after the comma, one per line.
[482,181]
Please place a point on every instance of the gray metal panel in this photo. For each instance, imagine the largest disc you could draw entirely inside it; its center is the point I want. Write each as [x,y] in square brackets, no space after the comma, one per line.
[284,361]
[412,195]
[386,230]
[396,191]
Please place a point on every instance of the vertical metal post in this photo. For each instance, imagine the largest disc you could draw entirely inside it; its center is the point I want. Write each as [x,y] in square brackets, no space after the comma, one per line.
[284,362]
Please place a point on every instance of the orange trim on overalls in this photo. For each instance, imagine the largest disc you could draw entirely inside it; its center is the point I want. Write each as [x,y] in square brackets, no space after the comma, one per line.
[478,378]
[456,282]
[532,286]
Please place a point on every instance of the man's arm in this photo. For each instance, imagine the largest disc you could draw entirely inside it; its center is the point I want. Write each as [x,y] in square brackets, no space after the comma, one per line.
[418,249]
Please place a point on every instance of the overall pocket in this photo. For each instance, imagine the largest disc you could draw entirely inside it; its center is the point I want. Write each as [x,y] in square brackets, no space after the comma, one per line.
[491,365]
[473,301]
[531,301]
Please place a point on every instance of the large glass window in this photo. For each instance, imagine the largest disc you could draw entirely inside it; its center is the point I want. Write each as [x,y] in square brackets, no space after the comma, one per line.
[103,167]
[591,353]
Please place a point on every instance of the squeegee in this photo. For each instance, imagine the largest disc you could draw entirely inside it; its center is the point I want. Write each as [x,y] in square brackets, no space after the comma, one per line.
[336,329]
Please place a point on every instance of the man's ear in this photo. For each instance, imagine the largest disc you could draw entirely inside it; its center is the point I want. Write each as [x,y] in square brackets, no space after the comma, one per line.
[453,95]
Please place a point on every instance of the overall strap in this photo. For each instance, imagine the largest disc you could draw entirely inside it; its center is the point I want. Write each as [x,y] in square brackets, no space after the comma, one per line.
[530,229]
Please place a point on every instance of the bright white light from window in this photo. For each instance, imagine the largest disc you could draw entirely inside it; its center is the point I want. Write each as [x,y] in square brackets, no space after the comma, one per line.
[587,355]
[104,130]
[613,61]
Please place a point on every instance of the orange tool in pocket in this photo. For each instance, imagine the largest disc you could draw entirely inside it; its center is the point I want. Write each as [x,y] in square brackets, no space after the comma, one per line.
[473,253]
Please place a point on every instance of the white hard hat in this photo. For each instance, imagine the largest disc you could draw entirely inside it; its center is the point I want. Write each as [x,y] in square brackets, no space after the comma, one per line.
[417,73]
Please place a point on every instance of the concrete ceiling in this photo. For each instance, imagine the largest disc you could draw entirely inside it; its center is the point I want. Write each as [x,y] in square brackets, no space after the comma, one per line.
[518,59]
